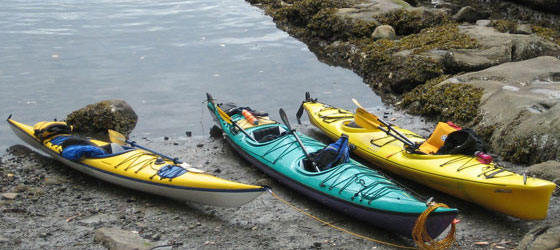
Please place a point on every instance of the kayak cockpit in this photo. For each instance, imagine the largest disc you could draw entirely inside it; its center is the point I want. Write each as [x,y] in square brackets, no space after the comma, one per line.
[268,133]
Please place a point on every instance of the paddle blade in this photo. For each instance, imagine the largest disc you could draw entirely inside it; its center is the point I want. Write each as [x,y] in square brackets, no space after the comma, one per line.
[285,118]
[116,137]
[366,119]
[224,115]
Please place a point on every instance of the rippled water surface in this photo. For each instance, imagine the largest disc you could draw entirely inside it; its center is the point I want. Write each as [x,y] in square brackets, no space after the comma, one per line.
[159,56]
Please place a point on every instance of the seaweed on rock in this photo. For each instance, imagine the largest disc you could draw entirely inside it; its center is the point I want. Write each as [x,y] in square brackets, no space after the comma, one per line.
[457,102]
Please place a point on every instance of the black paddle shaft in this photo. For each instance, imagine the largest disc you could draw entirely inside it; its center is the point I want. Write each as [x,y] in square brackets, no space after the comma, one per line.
[293,131]
[404,138]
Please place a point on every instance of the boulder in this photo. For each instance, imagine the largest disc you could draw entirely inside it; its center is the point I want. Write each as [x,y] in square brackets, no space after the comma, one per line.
[522,47]
[118,239]
[548,170]
[458,60]
[384,32]
[521,105]
[496,48]
[367,11]
[542,237]
[95,119]
[470,14]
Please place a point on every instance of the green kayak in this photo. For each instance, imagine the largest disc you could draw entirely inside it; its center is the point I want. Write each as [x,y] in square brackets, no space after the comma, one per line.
[349,187]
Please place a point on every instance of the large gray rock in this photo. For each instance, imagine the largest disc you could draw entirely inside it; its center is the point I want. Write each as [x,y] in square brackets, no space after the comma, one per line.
[367,11]
[97,118]
[522,47]
[544,237]
[459,60]
[521,101]
[548,170]
[118,239]
[496,48]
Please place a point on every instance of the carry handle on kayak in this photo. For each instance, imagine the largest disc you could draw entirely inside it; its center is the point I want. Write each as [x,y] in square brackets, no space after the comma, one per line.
[293,132]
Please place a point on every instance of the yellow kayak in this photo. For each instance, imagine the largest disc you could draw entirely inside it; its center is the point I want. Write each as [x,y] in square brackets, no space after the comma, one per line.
[136,168]
[463,176]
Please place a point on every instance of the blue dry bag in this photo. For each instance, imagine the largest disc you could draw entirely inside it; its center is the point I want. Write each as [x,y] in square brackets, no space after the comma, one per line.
[334,154]
[75,152]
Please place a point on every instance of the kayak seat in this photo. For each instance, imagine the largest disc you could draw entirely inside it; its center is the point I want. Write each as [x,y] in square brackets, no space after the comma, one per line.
[437,138]
[352,124]
[268,134]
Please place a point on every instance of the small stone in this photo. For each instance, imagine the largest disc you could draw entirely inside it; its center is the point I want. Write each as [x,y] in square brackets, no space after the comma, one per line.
[44,235]
[165,138]
[216,132]
[9,196]
[156,236]
[217,170]
[317,244]
[384,32]
[188,133]
[199,145]
[114,238]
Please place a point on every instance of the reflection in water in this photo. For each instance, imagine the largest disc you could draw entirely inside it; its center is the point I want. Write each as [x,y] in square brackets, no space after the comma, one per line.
[159,56]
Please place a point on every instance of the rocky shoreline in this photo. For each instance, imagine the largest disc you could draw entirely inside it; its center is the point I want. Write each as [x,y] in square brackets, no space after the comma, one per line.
[416,57]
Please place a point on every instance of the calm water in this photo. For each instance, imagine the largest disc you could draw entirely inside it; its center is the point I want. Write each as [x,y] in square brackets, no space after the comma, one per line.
[159,56]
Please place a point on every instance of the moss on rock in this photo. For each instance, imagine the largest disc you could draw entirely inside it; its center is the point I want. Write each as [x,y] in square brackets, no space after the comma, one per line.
[547,33]
[455,102]
[485,132]
[403,73]
[329,26]
[301,12]
[521,150]
[442,37]
[504,26]
[407,22]
[508,26]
